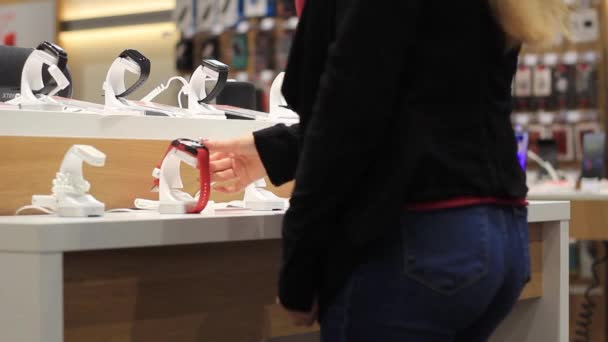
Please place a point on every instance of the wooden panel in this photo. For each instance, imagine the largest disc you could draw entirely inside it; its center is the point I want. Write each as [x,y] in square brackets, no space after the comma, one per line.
[214,292]
[26,170]
[183,329]
[589,220]
[277,323]
[534,289]
[535,232]
[536,257]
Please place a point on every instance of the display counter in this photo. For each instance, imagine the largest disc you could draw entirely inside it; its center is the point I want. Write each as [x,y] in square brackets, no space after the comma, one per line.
[33,123]
[589,213]
[150,277]
[184,278]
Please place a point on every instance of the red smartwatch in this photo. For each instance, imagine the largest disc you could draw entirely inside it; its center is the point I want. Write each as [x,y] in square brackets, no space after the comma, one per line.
[196,154]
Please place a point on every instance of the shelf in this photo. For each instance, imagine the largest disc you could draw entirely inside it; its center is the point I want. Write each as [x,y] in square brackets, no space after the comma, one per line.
[43,233]
[87,125]
[145,229]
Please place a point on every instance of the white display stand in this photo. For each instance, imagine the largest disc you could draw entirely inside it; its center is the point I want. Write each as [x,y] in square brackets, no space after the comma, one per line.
[32,247]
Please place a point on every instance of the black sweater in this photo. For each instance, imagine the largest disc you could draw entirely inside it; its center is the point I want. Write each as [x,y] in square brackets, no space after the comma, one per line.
[400,102]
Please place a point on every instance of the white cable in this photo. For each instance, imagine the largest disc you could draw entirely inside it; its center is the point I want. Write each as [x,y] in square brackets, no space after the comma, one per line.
[545,165]
[34,207]
[123,210]
[179,97]
[158,90]
[146,204]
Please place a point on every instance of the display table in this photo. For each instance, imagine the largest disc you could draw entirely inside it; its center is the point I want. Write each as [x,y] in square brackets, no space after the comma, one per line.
[589,213]
[187,278]
[35,252]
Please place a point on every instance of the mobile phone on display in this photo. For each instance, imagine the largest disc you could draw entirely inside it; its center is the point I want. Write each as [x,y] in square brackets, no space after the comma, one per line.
[547,150]
[522,147]
[240,51]
[594,155]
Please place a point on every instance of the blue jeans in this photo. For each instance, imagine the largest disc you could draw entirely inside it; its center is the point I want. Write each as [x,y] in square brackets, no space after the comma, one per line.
[443,276]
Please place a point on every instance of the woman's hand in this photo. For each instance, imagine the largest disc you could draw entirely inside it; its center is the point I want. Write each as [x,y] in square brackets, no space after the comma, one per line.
[235,162]
[303,319]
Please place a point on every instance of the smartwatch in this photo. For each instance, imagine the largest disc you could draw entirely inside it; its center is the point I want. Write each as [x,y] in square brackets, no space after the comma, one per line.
[201,153]
[56,51]
[144,65]
[215,70]
[62,62]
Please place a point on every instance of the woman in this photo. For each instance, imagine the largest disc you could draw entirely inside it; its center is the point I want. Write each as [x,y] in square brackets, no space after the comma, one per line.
[407,221]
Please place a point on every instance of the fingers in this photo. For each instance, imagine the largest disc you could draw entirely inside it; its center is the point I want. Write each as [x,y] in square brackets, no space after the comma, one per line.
[242,145]
[222,146]
[219,156]
[220,165]
[224,176]
[230,188]
[303,319]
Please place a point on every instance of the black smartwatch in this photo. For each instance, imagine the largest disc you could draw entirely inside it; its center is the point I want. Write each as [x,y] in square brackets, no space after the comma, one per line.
[62,63]
[221,70]
[144,65]
[56,51]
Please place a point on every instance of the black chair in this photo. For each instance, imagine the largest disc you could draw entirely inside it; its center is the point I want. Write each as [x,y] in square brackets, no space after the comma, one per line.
[239,94]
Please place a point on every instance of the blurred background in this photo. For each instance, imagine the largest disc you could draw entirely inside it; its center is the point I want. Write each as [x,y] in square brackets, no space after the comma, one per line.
[253,37]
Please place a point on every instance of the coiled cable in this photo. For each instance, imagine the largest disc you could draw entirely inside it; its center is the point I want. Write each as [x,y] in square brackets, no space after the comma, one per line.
[585,317]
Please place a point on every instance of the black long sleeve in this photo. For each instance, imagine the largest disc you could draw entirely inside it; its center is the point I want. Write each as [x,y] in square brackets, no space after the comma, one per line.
[354,109]
[400,102]
[279,150]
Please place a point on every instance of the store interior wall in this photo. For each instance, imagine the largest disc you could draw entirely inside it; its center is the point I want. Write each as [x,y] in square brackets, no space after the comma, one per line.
[92,51]
[85,9]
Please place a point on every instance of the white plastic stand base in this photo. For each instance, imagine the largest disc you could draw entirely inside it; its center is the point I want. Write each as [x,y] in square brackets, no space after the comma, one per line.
[265,205]
[176,207]
[260,199]
[80,211]
[80,206]
[39,105]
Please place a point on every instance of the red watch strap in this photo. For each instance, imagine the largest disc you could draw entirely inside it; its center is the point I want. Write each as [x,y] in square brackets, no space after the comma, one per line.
[205,180]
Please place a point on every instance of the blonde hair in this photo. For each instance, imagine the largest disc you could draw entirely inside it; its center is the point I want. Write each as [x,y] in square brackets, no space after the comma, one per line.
[534,22]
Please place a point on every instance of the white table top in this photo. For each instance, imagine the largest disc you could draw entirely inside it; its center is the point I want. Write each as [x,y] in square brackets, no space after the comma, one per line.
[45,233]
[568,196]
[31,123]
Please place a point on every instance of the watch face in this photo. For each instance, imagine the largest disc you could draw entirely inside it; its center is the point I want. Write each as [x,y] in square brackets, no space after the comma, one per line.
[214,64]
[189,145]
[144,64]
[55,50]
